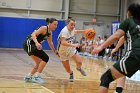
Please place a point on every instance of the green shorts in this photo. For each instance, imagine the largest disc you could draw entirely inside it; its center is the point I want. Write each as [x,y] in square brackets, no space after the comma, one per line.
[129,64]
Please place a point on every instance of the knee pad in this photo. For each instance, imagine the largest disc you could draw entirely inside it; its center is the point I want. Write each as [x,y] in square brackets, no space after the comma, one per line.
[106,79]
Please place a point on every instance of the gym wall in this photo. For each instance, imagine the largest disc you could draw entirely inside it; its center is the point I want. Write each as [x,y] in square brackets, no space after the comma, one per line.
[83,11]
[15,30]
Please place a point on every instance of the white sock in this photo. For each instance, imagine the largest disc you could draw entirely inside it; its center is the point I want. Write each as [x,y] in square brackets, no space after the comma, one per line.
[30,75]
[37,74]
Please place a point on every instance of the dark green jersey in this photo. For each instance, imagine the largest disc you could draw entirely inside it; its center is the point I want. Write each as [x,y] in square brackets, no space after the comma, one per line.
[132,33]
[41,37]
[29,45]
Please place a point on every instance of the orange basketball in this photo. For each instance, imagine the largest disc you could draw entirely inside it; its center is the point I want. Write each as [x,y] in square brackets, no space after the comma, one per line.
[90,33]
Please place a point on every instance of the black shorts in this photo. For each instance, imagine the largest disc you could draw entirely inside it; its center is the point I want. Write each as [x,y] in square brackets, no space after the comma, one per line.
[41,54]
[31,49]
[129,63]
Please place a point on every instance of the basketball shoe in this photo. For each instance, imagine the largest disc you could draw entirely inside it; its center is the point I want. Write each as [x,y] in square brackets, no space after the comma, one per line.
[82,71]
[38,79]
[28,79]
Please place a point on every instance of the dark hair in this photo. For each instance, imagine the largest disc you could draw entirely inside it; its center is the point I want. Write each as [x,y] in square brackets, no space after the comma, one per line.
[69,19]
[50,20]
[134,10]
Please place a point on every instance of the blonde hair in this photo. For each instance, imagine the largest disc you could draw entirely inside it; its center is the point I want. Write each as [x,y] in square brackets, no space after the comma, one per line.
[69,19]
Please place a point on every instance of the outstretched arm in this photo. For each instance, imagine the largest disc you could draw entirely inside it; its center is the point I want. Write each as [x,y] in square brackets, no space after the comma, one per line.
[111,40]
[119,44]
[49,39]
[79,31]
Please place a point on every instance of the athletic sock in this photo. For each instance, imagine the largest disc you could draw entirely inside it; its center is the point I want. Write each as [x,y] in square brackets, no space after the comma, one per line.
[29,75]
[71,73]
[37,74]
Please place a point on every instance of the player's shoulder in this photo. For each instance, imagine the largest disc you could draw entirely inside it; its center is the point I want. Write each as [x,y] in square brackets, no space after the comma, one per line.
[127,20]
[42,28]
[64,30]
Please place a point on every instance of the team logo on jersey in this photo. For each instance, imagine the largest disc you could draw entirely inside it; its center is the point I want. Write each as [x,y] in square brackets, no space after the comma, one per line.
[71,39]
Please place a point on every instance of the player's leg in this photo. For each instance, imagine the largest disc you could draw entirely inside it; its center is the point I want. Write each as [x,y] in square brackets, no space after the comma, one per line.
[68,69]
[127,66]
[109,76]
[37,61]
[120,85]
[45,58]
[77,58]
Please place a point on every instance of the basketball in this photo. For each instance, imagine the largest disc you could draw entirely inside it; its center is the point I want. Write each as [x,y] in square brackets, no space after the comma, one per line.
[90,33]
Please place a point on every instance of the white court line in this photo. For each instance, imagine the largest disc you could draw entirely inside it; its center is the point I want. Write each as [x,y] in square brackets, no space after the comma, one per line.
[47,89]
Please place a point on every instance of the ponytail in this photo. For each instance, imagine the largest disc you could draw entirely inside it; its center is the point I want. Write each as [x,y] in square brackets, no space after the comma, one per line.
[50,20]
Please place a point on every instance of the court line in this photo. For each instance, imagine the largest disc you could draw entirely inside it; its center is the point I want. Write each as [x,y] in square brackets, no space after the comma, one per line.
[47,89]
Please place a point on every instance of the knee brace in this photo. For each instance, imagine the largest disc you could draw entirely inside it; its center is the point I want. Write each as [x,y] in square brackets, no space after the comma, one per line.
[106,79]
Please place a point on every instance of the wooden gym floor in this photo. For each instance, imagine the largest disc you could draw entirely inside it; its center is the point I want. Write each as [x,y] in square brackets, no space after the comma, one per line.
[15,64]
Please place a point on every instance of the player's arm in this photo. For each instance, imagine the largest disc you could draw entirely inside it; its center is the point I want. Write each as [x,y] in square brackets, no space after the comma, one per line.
[79,31]
[112,39]
[34,35]
[119,44]
[49,39]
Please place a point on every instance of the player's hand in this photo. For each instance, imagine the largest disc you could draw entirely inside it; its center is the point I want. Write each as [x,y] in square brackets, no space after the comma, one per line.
[113,51]
[97,50]
[77,45]
[56,52]
[39,46]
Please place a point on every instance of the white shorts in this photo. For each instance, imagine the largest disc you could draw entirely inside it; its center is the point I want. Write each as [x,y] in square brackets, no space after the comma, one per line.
[67,53]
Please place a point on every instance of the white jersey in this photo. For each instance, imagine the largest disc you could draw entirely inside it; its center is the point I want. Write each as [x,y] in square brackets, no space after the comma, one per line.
[66,51]
[69,36]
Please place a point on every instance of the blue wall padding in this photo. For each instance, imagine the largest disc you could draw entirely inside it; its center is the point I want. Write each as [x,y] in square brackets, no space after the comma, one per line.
[13,31]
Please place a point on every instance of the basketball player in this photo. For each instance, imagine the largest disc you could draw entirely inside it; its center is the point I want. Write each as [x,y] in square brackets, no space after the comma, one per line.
[130,62]
[67,49]
[32,45]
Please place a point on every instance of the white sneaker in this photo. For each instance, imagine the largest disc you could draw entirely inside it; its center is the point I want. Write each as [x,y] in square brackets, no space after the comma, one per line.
[27,79]
[38,79]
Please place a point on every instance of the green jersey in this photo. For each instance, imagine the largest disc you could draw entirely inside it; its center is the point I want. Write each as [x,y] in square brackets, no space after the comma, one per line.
[132,33]
[130,62]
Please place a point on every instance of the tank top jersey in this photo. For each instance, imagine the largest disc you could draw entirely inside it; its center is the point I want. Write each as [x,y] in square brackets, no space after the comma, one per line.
[29,45]
[69,37]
